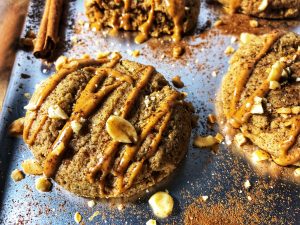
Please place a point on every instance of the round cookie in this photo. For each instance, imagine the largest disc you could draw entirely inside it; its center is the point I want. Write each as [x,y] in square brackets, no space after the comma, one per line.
[150,18]
[278,9]
[107,128]
[261,95]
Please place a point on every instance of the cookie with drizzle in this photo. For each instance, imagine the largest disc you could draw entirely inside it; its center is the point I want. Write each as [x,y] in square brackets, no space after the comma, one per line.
[260,95]
[88,161]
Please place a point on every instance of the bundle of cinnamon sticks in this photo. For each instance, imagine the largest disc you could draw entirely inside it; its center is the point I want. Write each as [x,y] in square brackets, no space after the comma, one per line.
[48,38]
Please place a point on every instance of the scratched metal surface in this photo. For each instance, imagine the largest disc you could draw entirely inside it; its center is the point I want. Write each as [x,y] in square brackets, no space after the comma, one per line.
[201,173]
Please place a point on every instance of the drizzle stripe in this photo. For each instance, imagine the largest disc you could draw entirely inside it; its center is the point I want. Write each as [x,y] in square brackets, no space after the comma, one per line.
[246,73]
[84,107]
[105,161]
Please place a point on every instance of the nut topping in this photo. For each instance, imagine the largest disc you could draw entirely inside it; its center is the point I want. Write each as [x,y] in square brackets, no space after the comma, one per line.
[121,130]
[55,112]
[16,128]
[32,167]
[162,204]
[203,142]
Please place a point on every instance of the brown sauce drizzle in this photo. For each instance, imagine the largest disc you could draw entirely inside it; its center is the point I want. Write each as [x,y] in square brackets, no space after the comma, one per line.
[285,158]
[240,116]
[86,104]
[42,94]
[145,27]
[246,73]
[152,150]
[176,9]
[130,151]
[105,161]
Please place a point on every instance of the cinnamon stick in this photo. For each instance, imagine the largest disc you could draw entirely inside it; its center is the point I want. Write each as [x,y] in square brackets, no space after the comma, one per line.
[49,27]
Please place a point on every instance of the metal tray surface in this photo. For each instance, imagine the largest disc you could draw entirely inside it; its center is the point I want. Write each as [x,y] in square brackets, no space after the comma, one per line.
[203,172]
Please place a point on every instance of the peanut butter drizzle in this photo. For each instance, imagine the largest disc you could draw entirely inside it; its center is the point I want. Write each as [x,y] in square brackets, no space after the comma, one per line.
[105,161]
[130,151]
[86,104]
[243,113]
[42,94]
[152,150]
[285,158]
[245,73]
[176,9]
[31,139]
[145,27]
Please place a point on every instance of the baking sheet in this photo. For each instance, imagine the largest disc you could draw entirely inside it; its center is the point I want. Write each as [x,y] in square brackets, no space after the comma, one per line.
[214,174]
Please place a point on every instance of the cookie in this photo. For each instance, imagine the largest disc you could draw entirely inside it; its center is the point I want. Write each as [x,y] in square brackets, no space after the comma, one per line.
[107,127]
[261,95]
[150,18]
[279,9]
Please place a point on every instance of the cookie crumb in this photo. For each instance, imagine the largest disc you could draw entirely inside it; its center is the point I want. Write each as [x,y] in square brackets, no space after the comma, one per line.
[240,139]
[247,184]
[203,142]
[253,23]
[16,127]
[218,23]
[32,167]
[211,118]
[204,198]
[177,82]
[178,51]
[91,203]
[77,217]
[297,172]
[96,213]
[229,50]
[151,222]
[260,155]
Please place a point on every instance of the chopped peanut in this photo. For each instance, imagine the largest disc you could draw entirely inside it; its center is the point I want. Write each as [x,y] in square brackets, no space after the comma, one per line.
[162,204]
[240,139]
[121,130]
[219,137]
[17,175]
[212,118]
[203,142]
[260,155]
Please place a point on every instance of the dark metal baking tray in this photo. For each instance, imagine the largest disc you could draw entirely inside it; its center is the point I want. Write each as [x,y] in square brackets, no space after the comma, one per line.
[203,172]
